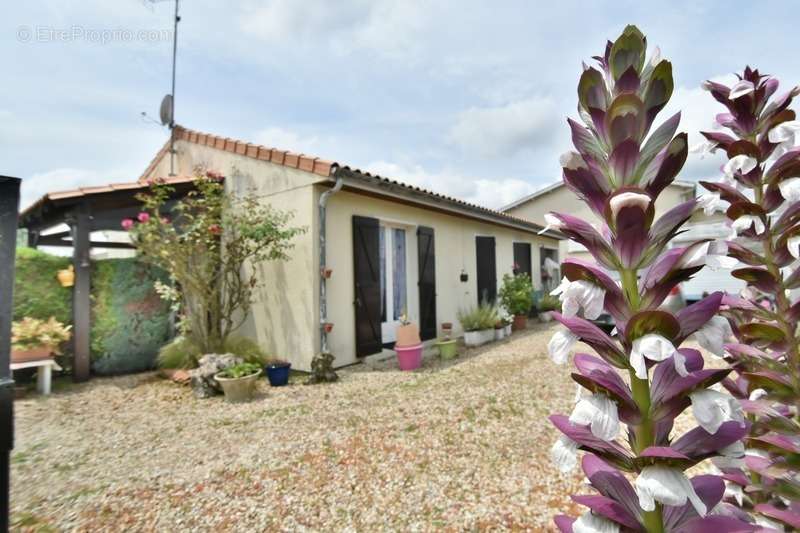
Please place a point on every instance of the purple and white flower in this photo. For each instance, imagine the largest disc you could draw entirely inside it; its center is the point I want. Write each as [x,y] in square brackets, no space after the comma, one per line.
[668,486]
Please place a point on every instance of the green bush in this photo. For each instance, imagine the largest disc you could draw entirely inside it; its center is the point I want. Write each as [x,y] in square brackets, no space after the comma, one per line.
[182,353]
[485,316]
[37,292]
[130,321]
[516,294]
[549,303]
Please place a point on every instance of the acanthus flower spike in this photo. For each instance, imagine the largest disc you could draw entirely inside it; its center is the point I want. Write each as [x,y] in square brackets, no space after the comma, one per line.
[764,165]
[620,166]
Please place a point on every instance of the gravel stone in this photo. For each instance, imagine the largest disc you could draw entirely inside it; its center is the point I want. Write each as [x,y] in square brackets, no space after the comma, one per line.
[457,445]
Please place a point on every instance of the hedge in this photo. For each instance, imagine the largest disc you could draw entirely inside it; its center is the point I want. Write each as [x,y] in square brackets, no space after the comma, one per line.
[37,292]
[130,320]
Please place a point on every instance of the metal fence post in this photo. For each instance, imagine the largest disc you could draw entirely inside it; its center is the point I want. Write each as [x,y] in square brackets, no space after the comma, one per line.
[9,207]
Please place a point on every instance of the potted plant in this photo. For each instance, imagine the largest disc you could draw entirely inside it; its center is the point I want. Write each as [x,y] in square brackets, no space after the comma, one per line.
[516,294]
[499,330]
[238,382]
[505,320]
[408,345]
[546,306]
[33,339]
[277,371]
[478,324]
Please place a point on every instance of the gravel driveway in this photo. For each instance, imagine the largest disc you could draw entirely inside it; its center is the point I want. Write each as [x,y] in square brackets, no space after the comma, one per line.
[461,445]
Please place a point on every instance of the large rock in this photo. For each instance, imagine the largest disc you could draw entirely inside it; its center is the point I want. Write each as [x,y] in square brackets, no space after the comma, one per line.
[203,383]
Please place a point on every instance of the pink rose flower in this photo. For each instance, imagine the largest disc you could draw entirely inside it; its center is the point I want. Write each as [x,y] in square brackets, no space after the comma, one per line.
[127,224]
[143,217]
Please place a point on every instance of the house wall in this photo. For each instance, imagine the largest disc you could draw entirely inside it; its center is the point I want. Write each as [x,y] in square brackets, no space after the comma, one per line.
[454,248]
[283,318]
[563,200]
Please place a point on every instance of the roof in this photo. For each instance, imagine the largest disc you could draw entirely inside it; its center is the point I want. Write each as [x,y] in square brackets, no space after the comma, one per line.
[559,184]
[328,168]
[72,194]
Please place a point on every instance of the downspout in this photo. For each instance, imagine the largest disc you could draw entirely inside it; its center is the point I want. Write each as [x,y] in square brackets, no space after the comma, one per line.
[323,281]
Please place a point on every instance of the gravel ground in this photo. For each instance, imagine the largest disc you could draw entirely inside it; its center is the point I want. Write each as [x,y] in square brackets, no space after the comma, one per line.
[461,445]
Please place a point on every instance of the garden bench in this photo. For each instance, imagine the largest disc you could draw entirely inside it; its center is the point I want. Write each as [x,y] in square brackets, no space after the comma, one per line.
[44,374]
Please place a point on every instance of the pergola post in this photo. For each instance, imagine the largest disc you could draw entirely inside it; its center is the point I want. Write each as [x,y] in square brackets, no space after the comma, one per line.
[9,206]
[81,321]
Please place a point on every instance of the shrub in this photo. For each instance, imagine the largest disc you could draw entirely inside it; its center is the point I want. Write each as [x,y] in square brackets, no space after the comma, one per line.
[485,316]
[37,292]
[129,319]
[516,294]
[204,245]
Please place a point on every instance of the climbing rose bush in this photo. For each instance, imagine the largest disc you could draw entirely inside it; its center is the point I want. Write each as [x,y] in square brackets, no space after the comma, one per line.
[619,168]
[759,192]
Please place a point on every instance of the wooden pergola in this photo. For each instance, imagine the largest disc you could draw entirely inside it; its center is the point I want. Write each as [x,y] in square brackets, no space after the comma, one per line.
[85,211]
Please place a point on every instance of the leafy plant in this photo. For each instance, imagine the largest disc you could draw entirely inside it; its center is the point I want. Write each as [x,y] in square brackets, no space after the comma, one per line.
[516,294]
[484,316]
[619,169]
[205,243]
[761,182]
[549,303]
[30,333]
[240,370]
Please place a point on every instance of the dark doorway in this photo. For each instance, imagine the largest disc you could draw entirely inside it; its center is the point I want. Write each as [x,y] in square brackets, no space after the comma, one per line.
[426,253]
[366,265]
[522,258]
[487,269]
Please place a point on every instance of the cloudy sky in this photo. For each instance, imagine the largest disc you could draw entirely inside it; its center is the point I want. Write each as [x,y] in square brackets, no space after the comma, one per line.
[466,97]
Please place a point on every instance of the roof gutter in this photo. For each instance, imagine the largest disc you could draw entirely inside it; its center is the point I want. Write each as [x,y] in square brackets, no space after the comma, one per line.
[324,272]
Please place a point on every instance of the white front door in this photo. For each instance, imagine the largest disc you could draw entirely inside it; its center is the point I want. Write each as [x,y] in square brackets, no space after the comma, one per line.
[394,279]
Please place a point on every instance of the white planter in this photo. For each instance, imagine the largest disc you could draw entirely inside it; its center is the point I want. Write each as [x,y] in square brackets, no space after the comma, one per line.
[476,338]
[507,330]
[546,316]
[500,334]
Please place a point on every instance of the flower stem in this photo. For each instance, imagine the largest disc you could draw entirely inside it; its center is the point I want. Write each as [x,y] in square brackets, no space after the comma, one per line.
[783,306]
[644,434]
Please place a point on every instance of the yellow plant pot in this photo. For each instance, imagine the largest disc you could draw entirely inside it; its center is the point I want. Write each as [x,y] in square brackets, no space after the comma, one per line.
[66,277]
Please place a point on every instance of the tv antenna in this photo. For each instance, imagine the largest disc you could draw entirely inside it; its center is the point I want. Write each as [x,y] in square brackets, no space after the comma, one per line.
[166,112]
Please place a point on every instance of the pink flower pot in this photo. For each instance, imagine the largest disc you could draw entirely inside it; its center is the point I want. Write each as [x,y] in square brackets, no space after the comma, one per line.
[409,357]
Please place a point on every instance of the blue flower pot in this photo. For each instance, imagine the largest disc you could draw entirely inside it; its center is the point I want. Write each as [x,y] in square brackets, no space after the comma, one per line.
[278,374]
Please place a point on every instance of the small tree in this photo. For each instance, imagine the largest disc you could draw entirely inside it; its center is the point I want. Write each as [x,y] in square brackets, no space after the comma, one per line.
[516,293]
[204,243]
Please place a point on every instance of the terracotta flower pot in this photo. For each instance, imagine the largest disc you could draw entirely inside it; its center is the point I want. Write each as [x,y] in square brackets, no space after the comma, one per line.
[407,335]
[34,354]
[520,323]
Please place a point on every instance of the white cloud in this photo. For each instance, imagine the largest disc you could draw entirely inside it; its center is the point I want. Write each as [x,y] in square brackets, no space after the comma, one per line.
[388,27]
[506,130]
[698,111]
[493,193]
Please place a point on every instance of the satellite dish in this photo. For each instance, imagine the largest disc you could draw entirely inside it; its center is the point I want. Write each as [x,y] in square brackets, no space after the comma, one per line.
[165,113]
